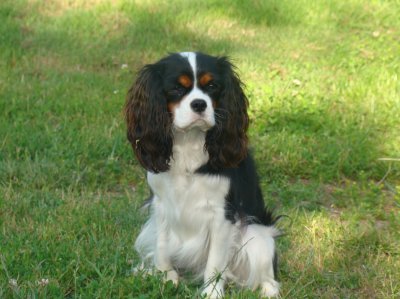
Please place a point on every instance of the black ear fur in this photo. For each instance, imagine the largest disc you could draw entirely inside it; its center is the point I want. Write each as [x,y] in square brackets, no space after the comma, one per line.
[148,120]
[227,142]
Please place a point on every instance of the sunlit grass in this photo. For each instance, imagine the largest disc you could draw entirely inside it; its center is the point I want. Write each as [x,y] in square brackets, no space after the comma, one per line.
[324,95]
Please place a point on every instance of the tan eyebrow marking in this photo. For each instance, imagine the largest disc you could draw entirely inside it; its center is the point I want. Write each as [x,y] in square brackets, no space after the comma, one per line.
[185,81]
[204,79]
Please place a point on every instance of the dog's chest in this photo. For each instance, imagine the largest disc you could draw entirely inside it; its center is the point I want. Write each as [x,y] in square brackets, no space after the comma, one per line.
[189,201]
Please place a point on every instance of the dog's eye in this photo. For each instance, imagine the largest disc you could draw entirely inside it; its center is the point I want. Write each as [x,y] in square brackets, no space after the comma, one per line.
[211,85]
[177,90]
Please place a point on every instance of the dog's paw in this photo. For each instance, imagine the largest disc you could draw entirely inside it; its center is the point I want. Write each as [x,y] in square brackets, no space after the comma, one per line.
[213,290]
[270,288]
[171,275]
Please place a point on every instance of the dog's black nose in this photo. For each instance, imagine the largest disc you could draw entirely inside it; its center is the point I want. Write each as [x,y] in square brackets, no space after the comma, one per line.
[198,105]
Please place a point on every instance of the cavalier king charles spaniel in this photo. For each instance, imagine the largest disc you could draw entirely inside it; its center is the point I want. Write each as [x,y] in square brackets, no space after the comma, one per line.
[187,121]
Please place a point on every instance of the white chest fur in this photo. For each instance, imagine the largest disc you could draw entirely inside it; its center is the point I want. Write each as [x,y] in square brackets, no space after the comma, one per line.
[188,200]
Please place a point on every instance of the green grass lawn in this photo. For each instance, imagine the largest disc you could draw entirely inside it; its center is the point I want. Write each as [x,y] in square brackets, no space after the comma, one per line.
[324,88]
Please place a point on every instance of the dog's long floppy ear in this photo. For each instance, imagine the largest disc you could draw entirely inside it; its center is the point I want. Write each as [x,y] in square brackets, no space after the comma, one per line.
[227,142]
[148,120]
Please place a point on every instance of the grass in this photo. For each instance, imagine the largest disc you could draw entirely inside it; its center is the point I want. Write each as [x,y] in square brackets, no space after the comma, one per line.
[323,82]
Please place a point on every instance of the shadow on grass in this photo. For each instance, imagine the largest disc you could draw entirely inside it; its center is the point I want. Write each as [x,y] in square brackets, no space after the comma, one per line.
[330,147]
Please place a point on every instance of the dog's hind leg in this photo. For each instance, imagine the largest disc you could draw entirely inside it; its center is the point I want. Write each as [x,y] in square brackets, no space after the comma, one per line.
[256,260]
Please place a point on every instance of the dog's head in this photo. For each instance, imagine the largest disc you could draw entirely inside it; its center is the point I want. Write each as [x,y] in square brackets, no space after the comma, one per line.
[182,92]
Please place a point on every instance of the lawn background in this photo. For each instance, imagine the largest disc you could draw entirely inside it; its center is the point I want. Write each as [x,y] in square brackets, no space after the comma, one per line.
[323,82]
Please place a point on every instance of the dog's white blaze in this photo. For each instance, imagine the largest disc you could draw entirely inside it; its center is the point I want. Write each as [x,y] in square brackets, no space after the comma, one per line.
[191,57]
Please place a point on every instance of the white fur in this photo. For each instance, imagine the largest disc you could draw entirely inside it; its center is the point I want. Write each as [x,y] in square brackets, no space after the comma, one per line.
[191,57]
[187,231]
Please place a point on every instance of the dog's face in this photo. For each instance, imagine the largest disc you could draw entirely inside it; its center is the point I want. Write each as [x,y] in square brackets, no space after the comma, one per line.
[187,91]
[192,87]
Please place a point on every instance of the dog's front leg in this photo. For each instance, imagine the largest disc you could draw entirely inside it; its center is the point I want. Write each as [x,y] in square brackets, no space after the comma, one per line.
[220,253]
[162,258]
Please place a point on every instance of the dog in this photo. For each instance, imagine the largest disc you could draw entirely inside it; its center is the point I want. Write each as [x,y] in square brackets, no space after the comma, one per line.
[187,121]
